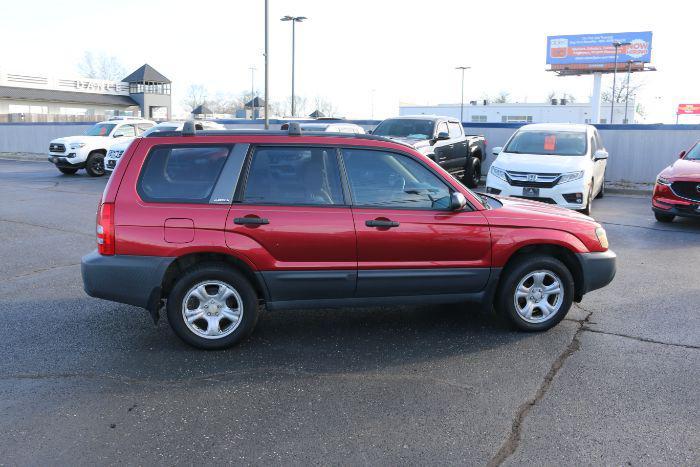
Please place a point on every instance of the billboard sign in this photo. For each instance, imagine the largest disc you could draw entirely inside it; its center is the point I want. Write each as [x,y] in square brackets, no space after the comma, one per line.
[598,48]
[688,109]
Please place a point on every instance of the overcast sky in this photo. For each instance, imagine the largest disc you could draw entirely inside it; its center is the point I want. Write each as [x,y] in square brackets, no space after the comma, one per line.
[405,51]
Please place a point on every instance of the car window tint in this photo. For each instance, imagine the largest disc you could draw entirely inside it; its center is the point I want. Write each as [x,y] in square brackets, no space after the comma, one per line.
[294,175]
[391,180]
[455,130]
[181,174]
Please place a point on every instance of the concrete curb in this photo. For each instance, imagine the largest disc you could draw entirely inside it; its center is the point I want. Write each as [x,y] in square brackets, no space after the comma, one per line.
[23,156]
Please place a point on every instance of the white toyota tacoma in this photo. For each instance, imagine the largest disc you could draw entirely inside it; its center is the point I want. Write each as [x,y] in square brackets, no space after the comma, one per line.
[72,153]
[117,149]
[556,163]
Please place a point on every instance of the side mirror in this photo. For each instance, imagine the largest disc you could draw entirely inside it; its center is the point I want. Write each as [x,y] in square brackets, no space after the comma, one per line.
[681,155]
[117,135]
[369,132]
[600,154]
[497,150]
[457,201]
[443,135]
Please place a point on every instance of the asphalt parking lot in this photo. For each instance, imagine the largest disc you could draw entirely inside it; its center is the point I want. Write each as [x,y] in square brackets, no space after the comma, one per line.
[86,381]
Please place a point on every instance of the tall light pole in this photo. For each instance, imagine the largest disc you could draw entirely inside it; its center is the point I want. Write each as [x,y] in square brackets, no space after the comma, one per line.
[294,20]
[461,104]
[617,45]
[267,94]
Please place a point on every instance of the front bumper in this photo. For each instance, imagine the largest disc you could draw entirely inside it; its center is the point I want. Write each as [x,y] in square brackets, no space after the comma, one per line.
[63,162]
[598,269]
[554,195]
[134,280]
[675,208]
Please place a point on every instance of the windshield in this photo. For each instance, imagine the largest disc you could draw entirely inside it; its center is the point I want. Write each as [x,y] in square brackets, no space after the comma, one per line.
[403,128]
[693,154]
[555,143]
[158,128]
[101,129]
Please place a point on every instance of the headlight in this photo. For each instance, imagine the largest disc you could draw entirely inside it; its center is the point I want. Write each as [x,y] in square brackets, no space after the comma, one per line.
[496,172]
[602,237]
[571,176]
[77,145]
[663,181]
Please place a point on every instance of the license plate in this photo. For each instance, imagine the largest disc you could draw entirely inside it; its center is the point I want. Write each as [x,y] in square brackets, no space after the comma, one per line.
[531,192]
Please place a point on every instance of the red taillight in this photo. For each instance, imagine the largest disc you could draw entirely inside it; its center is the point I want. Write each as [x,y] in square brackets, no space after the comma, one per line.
[105,229]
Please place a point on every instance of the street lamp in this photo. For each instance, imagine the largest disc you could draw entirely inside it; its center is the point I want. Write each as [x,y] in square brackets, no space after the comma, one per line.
[617,45]
[461,105]
[267,91]
[294,20]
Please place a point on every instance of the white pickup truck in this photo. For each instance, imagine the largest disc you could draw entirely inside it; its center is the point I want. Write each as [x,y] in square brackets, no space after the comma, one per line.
[72,153]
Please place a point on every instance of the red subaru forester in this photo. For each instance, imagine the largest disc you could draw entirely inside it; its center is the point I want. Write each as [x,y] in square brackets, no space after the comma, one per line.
[214,224]
[677,189]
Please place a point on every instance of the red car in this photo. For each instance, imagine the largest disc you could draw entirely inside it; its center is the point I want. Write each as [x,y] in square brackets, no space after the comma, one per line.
[677,189]
[213,224]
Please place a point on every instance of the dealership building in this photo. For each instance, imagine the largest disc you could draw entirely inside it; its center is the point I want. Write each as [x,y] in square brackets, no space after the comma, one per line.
[44,97]
[557,111]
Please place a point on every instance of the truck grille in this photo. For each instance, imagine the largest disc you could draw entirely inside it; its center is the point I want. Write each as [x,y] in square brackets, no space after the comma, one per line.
[57,147]
[537,180]
[688,190]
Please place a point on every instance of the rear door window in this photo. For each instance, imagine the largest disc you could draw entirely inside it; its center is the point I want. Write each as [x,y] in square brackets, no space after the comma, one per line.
[294,176]
[181,174]
[455,130]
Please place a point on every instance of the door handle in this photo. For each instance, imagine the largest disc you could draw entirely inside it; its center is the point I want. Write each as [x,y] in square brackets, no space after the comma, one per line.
[381,223]
[250,221]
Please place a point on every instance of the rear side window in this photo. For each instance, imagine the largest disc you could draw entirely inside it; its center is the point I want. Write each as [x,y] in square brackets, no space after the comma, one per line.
[294,176]
[455,130]
[181,174]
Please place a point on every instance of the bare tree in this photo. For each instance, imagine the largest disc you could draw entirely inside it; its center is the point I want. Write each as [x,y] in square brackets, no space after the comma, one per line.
[224,103]
[101,66]
[325,106]
[621,91]
[503,97]
[195,96]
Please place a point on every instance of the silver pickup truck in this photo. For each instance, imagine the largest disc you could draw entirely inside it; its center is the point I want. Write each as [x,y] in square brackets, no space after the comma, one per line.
[443,140]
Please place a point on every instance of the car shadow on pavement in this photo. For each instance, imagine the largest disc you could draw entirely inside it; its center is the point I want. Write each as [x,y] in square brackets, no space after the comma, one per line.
[96,337]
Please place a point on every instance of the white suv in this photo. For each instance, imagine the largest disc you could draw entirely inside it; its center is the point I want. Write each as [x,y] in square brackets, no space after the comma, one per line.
[116,150]
[559,163]
[88,151]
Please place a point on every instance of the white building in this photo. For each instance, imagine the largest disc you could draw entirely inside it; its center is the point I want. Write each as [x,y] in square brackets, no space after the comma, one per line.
[478,112]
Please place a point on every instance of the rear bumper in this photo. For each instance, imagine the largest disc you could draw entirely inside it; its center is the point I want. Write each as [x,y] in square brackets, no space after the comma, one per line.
[134,280]
[598,269]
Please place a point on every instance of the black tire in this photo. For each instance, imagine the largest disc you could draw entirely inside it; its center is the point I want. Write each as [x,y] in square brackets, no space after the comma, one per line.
[95,164]
[220,273]
[515,272]
[589,205]
[472,172]
[665,218]
[67,171]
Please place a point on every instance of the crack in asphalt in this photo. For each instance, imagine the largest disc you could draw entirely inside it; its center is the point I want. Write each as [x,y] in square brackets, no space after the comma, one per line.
[641,339]
[45,227]
[40,270]
[513,440]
